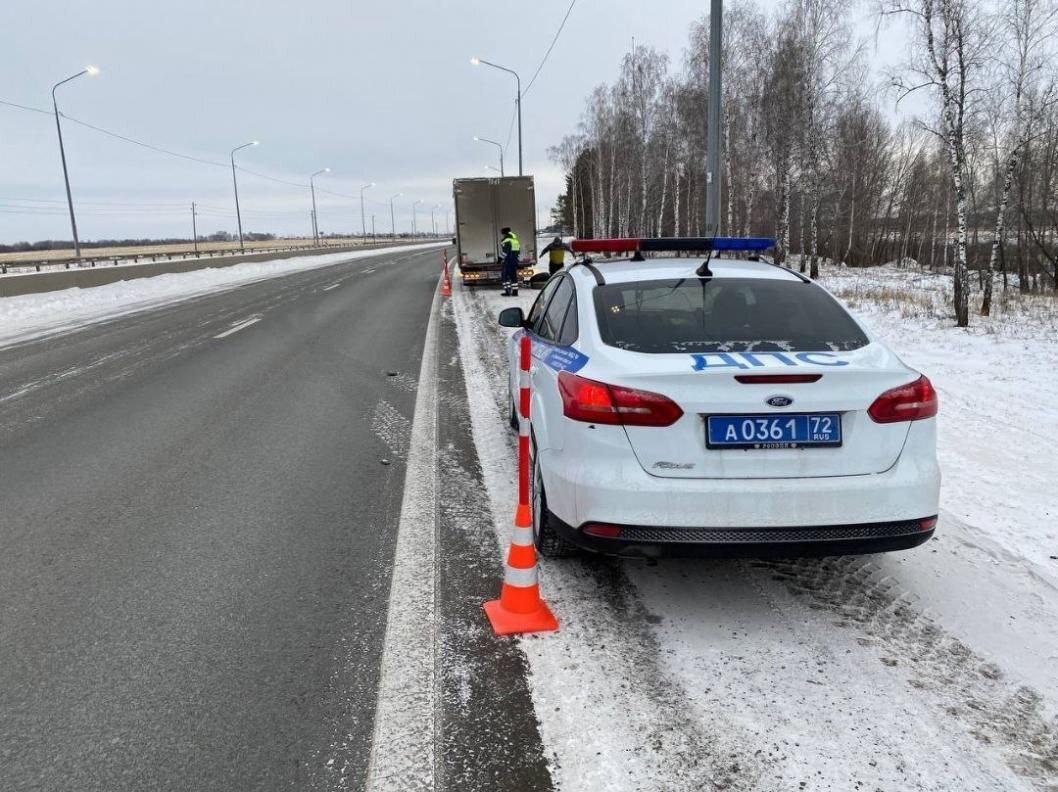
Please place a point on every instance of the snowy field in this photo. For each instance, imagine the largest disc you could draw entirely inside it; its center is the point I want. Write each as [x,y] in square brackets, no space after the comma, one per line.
[932,669]
[34,315]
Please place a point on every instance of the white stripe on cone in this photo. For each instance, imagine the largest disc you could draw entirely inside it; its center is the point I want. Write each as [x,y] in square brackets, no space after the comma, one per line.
[520,578]
[522,537]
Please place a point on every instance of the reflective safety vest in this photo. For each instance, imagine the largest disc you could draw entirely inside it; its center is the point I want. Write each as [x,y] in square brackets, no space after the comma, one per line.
[512,240]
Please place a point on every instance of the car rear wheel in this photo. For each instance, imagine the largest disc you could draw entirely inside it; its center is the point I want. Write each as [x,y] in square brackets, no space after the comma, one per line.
[513,417]
[548,543]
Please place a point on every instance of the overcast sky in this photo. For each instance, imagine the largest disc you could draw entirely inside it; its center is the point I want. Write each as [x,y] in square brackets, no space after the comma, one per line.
[376,91]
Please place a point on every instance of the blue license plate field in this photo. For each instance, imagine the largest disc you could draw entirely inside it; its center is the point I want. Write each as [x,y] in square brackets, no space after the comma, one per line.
[773,431]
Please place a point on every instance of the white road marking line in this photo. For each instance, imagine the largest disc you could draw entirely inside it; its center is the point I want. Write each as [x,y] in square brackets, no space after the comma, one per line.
[367,271]
[402,751]
[240,326]
[332,286]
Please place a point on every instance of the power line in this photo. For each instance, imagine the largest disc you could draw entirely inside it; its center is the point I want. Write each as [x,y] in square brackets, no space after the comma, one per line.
[159,150]
[510,129]
[548,53]
[142,144]
[24,107]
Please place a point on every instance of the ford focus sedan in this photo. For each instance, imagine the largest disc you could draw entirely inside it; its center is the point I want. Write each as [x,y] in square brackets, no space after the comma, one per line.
[721,406]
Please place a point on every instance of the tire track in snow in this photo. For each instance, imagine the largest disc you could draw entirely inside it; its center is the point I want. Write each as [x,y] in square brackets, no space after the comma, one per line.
[970,690]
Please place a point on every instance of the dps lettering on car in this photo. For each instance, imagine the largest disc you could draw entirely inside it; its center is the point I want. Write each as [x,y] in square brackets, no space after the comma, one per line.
[748,360]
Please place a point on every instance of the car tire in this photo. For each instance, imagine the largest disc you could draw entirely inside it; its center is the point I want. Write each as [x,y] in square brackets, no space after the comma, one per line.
[512,418]
[548,543]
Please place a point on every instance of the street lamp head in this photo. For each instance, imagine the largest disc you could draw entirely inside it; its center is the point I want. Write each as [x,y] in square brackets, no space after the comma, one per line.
[476,61]
[326,170]
[91,71]
[255,142]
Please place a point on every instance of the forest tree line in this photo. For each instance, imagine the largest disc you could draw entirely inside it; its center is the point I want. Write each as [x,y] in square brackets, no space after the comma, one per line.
[811,153]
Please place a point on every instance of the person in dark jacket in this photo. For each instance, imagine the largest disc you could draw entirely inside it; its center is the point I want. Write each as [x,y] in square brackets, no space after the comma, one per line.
[510,250]
[556,254]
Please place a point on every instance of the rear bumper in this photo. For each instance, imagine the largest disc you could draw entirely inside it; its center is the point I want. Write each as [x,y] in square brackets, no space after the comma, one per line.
[492,276]
[598,480]
[640,541]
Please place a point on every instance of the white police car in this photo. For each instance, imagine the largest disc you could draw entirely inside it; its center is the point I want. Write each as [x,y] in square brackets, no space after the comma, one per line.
[719,406]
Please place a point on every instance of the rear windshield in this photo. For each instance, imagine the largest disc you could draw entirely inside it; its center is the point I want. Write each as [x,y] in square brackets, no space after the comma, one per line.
[724,315]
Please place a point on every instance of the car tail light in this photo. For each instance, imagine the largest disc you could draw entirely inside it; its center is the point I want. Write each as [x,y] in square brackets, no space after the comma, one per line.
[927,524]
[911,402]
[602,530]
[776,379]
[596,402]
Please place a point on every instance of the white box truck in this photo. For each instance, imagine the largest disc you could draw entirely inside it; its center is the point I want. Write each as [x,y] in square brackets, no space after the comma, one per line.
[483,207]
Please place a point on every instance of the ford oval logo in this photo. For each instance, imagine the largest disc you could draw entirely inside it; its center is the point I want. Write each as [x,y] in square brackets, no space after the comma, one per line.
[778,401]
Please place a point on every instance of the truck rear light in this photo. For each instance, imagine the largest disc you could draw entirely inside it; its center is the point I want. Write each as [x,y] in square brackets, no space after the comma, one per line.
[776,379]
[911,402]
[602,530]
[596,402]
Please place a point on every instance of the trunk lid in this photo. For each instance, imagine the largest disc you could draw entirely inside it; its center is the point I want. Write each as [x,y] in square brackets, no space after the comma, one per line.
[706,384]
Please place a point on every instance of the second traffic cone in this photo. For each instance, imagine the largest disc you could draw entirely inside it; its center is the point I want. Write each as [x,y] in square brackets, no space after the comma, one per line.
[520,608]
[446,282]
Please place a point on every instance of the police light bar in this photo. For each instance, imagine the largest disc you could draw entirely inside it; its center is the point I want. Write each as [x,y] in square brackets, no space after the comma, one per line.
[672,244]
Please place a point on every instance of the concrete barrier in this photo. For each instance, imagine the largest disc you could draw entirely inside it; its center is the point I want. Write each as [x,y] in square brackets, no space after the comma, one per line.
[39,282]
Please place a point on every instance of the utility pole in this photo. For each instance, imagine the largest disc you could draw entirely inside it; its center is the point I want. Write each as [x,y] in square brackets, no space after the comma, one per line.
[194,228]
[374,239]
[712,168]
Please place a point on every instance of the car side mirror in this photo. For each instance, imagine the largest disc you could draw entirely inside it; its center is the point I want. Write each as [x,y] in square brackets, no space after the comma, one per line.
[512,317]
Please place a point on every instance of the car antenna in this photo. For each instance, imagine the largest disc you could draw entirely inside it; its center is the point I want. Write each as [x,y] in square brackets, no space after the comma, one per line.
[704,271]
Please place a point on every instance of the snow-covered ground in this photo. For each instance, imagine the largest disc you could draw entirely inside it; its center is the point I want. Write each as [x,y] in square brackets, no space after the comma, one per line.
[35,315]
[933,669]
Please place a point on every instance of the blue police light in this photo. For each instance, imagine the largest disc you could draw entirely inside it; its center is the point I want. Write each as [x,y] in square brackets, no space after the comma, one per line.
[672,244]
[751,244]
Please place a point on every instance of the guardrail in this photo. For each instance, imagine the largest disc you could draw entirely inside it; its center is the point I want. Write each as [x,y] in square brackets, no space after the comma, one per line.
[88,262]
[87,277]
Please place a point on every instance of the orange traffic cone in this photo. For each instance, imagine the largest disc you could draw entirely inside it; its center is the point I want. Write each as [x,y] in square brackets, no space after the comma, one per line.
[520,608]
[446,282]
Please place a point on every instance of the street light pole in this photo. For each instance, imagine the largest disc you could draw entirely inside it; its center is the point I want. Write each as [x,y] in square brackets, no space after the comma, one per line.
[315,220]
[91,71]
[433,219]
[235,184]
[363,222]
[414,218]
[392,216]
[497,145]
[712,175]
[518,99]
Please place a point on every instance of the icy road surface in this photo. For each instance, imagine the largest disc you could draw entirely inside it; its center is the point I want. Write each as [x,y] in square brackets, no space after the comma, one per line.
[933,669]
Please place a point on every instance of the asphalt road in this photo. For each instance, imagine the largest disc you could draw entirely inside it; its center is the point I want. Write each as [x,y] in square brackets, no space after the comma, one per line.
[197,518]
